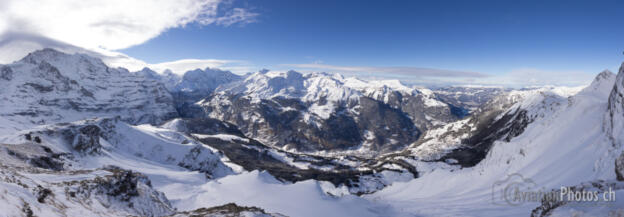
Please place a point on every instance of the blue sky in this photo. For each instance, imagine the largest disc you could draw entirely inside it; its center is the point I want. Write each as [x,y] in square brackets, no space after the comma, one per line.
[491,37]
[496,42]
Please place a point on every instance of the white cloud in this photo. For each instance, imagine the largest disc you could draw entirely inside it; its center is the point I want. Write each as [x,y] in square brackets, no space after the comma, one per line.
[188,64]
[390,71]
[15,46]
[98,27]
[181,66]
[111,24]
[236,15]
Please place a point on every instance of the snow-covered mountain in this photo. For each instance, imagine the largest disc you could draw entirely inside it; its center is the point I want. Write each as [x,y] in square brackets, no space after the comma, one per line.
[80,138]
[327,112]
[48,86]
[205,81]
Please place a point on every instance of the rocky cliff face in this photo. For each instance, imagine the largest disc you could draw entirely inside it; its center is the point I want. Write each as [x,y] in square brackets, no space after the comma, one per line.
[614,118]
[48,86]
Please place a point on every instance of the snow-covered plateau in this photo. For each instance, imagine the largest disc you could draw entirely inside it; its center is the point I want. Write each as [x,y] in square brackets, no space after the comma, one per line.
[80,138]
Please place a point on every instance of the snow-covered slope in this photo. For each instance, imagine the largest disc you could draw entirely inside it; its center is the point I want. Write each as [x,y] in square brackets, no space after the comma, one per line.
[563,145]
[99,167]
[105,167]
[48,86]
[103,139]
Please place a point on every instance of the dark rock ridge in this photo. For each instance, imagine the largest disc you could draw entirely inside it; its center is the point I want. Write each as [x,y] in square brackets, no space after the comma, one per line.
[85,139]
[82,137]
[476,147]
[230,209]
[35,155]
[122,189]
[619,167]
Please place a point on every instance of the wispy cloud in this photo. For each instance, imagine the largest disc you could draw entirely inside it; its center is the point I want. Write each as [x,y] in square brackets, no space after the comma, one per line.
[16,45]
[184,65]
[236,15]
[113,24]
[389,71]
[520,77]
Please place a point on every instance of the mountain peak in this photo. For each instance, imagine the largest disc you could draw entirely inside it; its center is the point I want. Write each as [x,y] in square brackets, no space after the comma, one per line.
[46,53]
[148,73]
[205,80]
[292,74]
[604,75]
[62,60]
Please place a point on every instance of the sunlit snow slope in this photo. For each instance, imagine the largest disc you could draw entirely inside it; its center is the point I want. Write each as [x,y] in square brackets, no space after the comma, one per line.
[564,146]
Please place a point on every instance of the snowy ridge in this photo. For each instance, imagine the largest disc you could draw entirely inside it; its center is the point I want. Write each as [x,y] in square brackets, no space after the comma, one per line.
[313,87]
[309,88]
